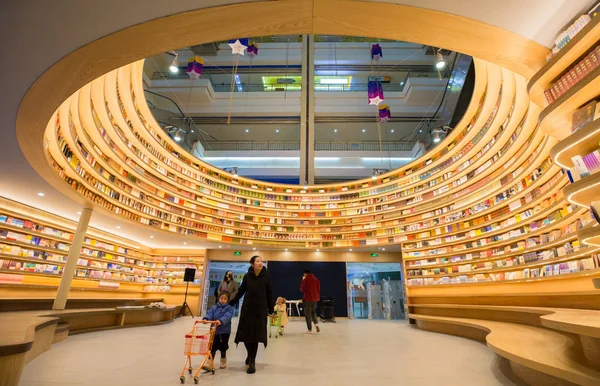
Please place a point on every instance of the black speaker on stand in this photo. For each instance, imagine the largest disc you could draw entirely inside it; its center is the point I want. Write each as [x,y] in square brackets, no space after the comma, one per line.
[188,276]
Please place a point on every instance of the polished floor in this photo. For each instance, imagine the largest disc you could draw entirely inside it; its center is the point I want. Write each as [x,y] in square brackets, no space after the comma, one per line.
[346,353]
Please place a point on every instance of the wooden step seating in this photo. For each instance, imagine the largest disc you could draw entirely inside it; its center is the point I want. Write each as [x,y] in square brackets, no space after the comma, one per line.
[26,334]
[551,346]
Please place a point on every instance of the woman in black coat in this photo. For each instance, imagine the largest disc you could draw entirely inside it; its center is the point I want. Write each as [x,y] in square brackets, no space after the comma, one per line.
[258,303]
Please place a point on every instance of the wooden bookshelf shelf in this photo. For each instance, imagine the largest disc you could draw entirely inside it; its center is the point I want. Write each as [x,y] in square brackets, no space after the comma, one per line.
[581,142]
[561,61]
[584,191]
[491,245]
[590,236]
[555,119]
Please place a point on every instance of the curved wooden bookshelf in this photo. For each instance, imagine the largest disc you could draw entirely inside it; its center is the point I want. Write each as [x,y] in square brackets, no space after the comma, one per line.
[585,191]
[573,50]
[583,141]
[590,236]
[555,119]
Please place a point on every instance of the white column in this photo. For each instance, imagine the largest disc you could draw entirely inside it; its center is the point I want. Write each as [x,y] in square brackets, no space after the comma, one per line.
[74,252]
[303,176]
[310,100]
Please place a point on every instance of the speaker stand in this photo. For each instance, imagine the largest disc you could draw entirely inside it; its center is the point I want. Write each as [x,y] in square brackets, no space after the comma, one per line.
[185,306]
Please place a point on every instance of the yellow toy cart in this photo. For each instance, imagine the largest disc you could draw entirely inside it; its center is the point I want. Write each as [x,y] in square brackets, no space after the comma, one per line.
[276,321]
[199,342]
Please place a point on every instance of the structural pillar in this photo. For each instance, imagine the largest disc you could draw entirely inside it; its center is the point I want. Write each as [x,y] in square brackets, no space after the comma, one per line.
[74,252]
[307,115]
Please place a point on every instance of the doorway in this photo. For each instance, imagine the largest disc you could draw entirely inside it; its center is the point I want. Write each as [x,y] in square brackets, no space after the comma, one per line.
[375,291]
[216,273]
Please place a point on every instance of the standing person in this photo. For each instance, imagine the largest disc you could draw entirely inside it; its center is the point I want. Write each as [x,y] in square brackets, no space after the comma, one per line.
[258,304]
[311,288]
[222,314]
[228,285]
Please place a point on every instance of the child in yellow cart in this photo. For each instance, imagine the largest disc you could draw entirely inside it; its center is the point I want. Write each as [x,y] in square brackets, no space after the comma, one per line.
[222,313]
[280,305]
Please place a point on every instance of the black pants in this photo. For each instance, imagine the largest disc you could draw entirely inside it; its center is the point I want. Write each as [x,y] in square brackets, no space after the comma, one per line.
[252,348]
[221,343]
[310,314]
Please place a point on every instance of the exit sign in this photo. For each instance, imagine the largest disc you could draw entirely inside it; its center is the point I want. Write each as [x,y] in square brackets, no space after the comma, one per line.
[374,254]
[237,253]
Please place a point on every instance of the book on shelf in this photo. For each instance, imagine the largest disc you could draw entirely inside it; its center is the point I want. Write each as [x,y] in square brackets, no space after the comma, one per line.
[584,115]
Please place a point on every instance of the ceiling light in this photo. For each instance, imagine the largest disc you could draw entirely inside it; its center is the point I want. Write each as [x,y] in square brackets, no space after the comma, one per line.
[277,130]
[286,249]
[374,177]
[391,131]
[401,83]
[177,138]
[364,130]
[78,212]
[220,246]
[174,67]
[436,137]
[440,62]
[350,249]
[334,81]
[383,249]
[192,131]
[118,227]
[184,243]
[151,236]
[318,250]
[335,130]
[254,249]
[247,130]
[41,194]
[420,131]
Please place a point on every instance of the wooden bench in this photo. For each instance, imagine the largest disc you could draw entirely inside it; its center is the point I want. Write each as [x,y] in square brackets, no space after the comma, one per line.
[538,356]
[571,336]
[26,334]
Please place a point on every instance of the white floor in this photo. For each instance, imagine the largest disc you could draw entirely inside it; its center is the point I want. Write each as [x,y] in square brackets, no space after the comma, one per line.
[346,353]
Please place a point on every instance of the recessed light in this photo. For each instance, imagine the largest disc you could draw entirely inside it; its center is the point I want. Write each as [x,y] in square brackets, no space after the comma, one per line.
[420,131]
[350,250]
[118,227]
[286,249]
[383,249]
[391,131]
[277,130]
[254,249]
[192,131]
[364,130]
[247,130]
[335,130]
[78,212]
[184,243]
[151,236]
[220,246]
[41,194]
[318,250]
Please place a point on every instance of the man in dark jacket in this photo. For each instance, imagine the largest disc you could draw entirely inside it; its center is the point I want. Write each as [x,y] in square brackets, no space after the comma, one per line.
[311,288]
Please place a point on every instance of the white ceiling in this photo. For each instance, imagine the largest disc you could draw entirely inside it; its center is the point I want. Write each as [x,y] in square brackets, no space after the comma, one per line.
[35,34]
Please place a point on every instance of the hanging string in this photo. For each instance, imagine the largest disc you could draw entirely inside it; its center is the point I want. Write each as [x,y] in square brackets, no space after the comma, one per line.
[235,66]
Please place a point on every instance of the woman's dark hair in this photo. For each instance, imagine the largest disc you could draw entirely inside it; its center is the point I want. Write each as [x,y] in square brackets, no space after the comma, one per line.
[307,271]
[253,259]
[225,276]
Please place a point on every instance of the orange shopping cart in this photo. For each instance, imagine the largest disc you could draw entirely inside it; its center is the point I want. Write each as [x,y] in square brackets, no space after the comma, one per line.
[199,342]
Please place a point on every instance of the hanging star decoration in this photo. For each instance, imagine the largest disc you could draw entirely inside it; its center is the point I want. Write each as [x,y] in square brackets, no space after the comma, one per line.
[238,46]
[376,52]
[384,113]
[252,48]
[375,92]
[194,67]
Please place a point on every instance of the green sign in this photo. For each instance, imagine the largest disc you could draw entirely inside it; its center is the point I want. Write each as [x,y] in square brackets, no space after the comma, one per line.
[374,254]
[237,253]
